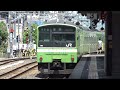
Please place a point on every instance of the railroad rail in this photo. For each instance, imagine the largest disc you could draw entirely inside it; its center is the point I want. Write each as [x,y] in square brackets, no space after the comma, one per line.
[3,62]
[18,58]
[54,76]
[18,71]
[6,62]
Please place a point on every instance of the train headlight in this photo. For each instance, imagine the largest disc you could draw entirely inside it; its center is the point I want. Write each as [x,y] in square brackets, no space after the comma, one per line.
[41,58]
[72,59]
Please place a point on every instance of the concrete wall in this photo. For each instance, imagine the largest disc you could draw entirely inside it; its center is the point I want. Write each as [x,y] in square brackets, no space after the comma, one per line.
[116,42]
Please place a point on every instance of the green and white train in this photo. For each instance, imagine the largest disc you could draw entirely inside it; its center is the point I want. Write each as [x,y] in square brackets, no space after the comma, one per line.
[60,45]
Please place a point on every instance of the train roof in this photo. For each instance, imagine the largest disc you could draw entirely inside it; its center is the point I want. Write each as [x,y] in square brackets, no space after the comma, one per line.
[67,23]
[58,24]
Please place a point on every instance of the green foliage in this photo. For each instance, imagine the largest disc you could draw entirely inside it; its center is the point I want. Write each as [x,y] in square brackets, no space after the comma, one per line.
[3,31]
[3,47]
[34,33]
[3,34]
[25,33]
[3,37]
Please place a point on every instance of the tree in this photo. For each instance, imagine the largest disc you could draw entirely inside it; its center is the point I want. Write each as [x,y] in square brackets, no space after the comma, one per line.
[3,36]
[3,31]
[26,34]
[34,33]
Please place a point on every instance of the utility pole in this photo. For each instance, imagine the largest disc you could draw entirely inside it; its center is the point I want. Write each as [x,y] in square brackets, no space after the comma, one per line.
[15,31]
[10,35]
[31,30]
[8,49]
[18,37]
[14,23]
[30,34]
[22,29]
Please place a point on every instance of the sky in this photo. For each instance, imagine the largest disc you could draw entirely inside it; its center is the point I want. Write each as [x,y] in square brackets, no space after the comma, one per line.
[86,24]
[99,24]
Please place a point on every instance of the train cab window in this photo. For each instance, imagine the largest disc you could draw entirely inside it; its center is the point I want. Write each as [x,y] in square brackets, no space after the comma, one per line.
[57,37]
[69,37]
[63,37]
[60,29]
[54,29]
[44,34]
[44,37]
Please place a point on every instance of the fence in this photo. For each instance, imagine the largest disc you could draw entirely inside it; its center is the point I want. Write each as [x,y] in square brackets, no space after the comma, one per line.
[88,42]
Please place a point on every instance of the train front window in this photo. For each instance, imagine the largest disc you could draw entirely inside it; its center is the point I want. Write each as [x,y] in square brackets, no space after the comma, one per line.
[56,36]
[62,40]
[63,37]
[69,37]
[44,37]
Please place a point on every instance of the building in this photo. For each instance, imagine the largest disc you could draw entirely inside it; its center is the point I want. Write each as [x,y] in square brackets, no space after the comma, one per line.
[4,14]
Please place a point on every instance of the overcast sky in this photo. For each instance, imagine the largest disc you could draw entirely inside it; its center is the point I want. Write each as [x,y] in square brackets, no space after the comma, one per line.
[99,24]
[87,24]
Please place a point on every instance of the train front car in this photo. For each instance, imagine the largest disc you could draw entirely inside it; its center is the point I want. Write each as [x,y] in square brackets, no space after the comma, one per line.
[56,48]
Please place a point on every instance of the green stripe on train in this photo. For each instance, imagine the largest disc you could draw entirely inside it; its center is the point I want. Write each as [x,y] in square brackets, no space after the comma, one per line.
[65,57]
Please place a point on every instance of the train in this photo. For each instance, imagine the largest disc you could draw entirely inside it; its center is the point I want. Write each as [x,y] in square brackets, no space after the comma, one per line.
[59,46]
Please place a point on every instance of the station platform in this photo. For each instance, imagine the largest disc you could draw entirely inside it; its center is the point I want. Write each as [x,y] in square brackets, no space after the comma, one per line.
[90,67]
[93,55]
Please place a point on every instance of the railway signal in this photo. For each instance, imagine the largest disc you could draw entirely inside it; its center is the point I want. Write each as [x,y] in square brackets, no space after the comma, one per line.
[17,38]
[27,38]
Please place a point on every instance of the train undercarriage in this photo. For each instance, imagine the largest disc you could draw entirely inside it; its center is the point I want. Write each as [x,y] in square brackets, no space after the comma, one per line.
[56,67]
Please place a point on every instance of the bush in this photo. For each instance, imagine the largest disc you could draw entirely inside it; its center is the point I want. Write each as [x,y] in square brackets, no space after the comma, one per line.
[3,37]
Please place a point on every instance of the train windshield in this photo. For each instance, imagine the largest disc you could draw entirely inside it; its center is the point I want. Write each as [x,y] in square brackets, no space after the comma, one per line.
[56,36]
[63,37]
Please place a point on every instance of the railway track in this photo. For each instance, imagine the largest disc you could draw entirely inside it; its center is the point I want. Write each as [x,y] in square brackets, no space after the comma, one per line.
[6,62]
[18,71]
[53,76]
[58,76]
[3,62]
